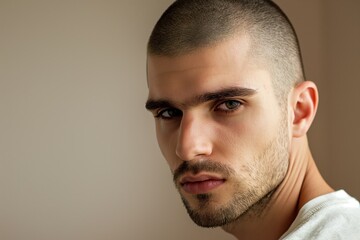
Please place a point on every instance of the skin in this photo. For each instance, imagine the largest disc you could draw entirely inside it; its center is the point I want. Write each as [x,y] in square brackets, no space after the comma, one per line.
[265,172]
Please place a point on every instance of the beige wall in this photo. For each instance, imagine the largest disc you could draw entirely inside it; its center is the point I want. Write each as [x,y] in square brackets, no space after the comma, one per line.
[78,157]
[342,68]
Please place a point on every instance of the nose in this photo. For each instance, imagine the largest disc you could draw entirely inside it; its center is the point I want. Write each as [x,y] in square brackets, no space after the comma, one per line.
[194,138]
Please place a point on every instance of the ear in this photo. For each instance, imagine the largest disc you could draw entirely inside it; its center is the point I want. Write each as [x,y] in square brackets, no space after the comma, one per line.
[304,100]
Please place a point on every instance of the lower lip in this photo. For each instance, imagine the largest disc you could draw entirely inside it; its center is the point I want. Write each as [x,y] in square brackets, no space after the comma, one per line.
[201,187]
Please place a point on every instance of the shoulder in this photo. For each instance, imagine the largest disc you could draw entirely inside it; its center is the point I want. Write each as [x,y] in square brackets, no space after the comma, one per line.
[332,216]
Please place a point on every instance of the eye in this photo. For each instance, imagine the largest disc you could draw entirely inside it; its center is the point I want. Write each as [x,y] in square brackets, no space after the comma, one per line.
[169,113]
[228,106]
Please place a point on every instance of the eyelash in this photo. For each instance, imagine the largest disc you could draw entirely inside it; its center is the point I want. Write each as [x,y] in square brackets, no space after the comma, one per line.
[216,109]
[239,104]
[160,113]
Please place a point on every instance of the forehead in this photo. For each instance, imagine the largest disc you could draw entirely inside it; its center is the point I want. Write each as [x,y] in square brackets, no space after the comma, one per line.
[226,64]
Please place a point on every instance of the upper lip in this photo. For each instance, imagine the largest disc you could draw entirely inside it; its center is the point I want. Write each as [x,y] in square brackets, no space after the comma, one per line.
[198,178]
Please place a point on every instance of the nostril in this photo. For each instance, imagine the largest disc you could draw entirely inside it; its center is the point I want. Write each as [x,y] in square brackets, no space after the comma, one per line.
[191,150]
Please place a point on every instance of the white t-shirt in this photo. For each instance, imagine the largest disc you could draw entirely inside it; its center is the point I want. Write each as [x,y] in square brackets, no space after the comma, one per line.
[329,217]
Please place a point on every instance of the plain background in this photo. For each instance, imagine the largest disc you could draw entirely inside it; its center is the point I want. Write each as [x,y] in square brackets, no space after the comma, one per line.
[78,156]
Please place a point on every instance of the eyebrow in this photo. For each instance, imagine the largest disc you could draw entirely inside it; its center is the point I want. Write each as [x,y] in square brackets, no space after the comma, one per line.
[152,104]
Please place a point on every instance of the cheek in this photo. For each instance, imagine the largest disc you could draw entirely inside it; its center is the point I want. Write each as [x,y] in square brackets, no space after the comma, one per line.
[167,145]
[244,138]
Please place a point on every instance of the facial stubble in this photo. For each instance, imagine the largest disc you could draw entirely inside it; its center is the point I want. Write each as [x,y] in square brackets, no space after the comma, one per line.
[263,177]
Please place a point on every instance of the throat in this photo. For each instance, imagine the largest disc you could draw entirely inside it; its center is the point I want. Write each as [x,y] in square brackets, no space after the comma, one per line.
[258,209]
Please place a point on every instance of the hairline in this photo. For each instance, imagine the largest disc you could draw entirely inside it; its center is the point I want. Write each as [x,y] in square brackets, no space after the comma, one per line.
[252,55]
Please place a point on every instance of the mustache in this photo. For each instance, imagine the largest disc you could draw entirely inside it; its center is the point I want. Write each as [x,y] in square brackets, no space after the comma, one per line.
[204,165]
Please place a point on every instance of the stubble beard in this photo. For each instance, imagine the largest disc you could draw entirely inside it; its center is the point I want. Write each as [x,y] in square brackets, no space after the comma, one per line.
[268,171]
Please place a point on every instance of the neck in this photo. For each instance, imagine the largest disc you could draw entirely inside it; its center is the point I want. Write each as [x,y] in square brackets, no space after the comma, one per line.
[302,183]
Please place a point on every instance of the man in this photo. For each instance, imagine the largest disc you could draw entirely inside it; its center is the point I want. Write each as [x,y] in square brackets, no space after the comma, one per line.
[232,109]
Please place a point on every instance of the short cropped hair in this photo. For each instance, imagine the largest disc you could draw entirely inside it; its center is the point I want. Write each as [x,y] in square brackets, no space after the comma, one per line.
[188,25]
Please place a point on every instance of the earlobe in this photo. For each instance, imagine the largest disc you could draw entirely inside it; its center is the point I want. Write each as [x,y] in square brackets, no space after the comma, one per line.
[304,105]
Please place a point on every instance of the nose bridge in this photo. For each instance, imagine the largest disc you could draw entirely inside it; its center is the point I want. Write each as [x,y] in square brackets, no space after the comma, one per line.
[193,139]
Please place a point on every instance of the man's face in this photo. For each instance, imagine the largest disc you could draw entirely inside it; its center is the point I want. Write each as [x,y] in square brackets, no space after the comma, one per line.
[220,129]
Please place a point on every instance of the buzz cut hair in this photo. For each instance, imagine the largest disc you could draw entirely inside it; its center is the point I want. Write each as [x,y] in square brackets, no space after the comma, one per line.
[188,25]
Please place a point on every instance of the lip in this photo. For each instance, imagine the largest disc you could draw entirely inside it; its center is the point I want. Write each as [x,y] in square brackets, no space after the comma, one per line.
[200,184]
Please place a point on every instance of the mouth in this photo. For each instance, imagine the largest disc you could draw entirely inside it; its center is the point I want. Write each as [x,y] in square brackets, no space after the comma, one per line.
[200,184]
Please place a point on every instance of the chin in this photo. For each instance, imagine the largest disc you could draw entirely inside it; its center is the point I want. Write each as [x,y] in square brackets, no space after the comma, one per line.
[207,211]
[216,210]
